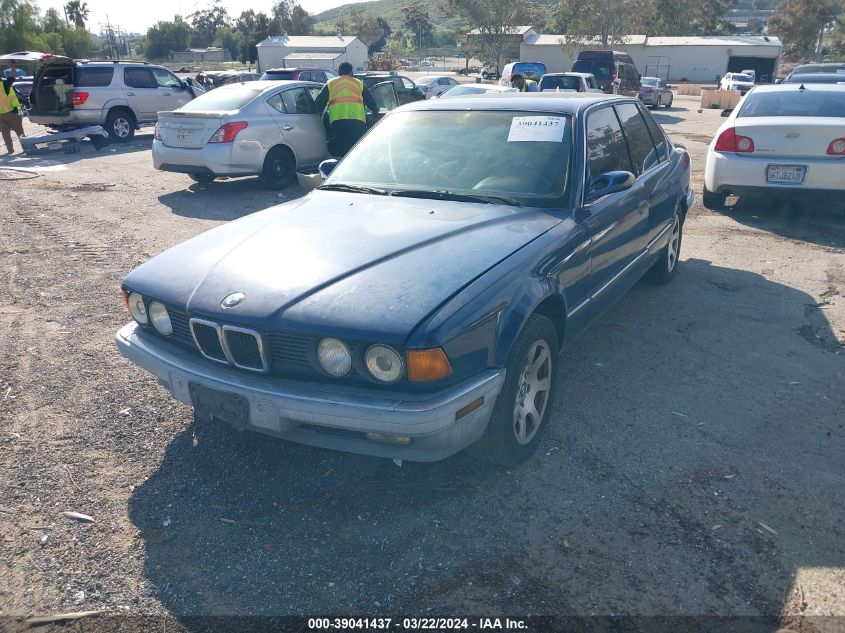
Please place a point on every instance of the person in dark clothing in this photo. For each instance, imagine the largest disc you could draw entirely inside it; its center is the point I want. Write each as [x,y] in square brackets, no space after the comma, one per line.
[344,99]
[10,119]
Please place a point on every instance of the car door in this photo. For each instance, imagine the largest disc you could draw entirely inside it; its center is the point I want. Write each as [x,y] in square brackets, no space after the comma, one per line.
[293,111]
[172,93]
[386,98]
[141,91]
[617,222]
[661,203]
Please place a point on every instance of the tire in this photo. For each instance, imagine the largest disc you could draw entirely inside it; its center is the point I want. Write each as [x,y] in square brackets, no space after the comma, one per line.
[279,169]
[120,125]
[485,75]
[514,431]
[713,201]
[664,268]
[203,179]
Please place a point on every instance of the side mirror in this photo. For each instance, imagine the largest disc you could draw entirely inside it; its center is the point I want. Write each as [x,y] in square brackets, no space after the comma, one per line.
[726,113]
[327,166]
[610,182]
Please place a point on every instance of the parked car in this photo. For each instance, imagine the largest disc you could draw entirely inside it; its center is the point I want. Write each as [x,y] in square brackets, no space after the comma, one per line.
[816,78]
[654,93]
[615,71]
[751,73]
[264,128]
[781,141]
[465,90]
[827,67]
[211,79]
[490,73]
[529,70]
[435,86]
[416,302]
[736,81]
[299,74]
[406,89]
[120,96]
[569,82]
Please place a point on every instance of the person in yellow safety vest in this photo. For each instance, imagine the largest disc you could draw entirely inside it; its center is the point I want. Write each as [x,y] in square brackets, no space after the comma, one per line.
[523,84]
[344,99]
[10,120]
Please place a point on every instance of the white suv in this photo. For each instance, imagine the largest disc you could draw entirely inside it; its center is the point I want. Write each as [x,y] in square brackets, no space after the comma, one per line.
[737,81]
[120,96]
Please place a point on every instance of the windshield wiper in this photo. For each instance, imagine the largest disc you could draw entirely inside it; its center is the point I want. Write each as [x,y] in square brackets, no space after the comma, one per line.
[456,197]
[339,186]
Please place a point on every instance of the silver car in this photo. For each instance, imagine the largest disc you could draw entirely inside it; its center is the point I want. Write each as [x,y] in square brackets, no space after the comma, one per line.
[654,93]
[120,96]
[263,128]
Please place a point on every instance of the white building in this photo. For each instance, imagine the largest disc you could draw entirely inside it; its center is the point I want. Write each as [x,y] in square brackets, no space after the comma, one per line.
[210,54]
[696,59]
[327,52]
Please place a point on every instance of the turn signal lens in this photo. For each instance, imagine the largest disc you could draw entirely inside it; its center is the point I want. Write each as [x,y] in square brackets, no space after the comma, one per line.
[425,365]
[228,132]
[836,147]
[730,141]
[124,298]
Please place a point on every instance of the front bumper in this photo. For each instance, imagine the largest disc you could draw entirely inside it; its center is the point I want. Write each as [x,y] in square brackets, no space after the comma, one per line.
[329,416]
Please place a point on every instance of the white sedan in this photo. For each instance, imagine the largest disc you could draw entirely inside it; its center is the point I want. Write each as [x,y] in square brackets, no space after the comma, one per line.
[435,86]
[263,128]
[781,141]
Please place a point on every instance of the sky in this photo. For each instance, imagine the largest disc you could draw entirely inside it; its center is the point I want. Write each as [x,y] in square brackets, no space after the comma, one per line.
[136,16]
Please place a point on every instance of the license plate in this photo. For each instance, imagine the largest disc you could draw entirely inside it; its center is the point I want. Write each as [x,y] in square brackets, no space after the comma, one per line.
[226,407]
[55,145]
[786,174]
[183,137]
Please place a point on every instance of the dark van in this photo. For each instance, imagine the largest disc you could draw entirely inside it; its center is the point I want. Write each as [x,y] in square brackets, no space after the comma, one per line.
[615,71]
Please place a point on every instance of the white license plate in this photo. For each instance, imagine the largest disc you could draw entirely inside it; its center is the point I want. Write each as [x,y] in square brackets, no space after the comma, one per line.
[183,137]
[786,174]
[55,145]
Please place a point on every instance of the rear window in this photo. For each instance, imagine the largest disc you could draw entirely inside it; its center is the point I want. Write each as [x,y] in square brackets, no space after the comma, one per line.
[601,69]
[529,70]
[278,75]
[93,77]
[563,83]
[739,77]
[815,103]
[222,99]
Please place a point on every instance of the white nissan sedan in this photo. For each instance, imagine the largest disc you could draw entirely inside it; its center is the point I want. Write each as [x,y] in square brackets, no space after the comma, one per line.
[781,141]
[263,128]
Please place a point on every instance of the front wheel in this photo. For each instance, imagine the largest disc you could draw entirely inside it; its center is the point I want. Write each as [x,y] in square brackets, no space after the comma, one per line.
[664,268]
[279,169]
[522,409]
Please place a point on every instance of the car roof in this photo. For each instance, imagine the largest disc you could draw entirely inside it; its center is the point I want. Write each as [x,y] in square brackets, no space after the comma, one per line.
[268,84]
[290,70]
[571,103]
[784,87]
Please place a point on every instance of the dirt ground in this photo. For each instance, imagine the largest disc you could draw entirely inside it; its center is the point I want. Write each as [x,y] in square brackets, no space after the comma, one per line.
[694,464]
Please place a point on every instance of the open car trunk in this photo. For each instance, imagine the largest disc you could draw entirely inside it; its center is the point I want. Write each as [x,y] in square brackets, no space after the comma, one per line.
[54,78]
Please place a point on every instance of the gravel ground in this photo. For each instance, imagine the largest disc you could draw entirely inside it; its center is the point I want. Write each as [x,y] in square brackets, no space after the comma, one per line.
[694,464]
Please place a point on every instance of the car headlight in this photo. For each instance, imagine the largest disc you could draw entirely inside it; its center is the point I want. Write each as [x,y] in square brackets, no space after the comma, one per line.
[334,357]
[137,308]
[160,319]
[384,363]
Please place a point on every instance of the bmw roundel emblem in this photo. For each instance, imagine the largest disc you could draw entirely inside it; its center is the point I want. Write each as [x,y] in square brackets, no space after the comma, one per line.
[232,300]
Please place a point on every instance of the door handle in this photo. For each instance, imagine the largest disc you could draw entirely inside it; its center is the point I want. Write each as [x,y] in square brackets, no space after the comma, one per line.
[287,128]
[642,207]
[130,94]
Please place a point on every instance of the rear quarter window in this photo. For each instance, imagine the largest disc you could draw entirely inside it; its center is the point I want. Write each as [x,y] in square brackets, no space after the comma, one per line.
[94,77]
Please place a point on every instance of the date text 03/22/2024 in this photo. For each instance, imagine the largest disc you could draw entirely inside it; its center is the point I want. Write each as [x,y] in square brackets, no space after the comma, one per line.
[416,624]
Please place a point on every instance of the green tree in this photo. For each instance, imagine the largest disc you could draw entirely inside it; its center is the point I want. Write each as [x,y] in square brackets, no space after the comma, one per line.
[52,22]
[206,22]
[253,27]
[76,42]
[416,20]
[165,37]
[291,18]
[493,24]
[801,24]
[77,12]
[604,22]
[230,39]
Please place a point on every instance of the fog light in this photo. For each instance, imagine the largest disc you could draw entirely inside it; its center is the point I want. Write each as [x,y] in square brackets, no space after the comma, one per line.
[383,438]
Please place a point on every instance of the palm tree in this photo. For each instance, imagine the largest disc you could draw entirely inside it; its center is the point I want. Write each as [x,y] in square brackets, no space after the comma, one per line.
[77,12]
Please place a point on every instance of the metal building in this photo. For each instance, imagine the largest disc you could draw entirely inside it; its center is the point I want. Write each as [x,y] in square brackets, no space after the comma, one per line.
[273,51]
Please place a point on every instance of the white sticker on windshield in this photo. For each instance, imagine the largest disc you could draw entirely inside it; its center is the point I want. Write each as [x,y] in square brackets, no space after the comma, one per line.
[537,128]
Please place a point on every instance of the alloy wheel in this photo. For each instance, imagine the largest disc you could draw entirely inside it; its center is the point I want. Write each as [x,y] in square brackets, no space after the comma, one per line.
[532,393]
[674,244]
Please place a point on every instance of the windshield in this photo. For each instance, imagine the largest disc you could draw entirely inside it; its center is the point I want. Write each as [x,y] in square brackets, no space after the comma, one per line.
[526,155]
[563,83]
[815,103]
[816,78]
[650,81]
[222,99]
[745,78]
[600,69]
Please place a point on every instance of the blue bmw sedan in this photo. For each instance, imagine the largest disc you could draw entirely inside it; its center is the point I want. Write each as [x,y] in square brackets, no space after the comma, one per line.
[416,302]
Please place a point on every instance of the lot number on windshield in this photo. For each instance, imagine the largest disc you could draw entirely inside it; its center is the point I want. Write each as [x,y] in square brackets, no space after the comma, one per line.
[537,128]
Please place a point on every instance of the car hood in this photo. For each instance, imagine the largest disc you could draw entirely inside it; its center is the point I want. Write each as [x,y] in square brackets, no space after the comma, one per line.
[348,263]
